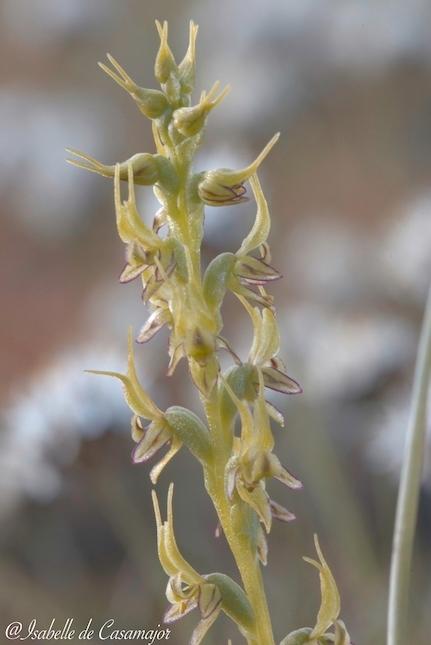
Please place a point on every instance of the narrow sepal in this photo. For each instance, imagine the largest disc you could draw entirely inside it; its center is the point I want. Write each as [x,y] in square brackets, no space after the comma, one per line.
[258,499]
[154,324]
[279,381]
[330,598]
[280,513]
[159,467]
[154,438]
[262,224]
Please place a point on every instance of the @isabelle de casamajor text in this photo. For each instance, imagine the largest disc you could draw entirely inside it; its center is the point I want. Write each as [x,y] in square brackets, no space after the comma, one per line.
[67,631]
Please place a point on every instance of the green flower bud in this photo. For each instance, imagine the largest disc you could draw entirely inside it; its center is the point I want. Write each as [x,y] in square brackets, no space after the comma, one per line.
[190,430]
[298,637]
[190,120]
[216,279]
[152,103]
[187,66]
[330,598]
[234,602]
[145,167]
[223,187]
[241,378]
[165,64]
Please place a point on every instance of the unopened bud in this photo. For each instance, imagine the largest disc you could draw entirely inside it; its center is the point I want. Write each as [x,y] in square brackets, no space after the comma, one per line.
[216,279]
[234,602]
[144,167]
[190,430]
[187,66]
[223,186]
[152,103]
[190,120]
[165,64]
[298,637]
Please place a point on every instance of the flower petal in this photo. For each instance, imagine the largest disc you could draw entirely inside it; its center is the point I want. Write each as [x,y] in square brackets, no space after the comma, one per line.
[330,598]
[189,574]
[274,413]
[240,289]
[209,599]
[284,476]
[279,381]
[130,272]
[177,590]
[341,634]
[176,355]
[230,474]
[203,627]
[157,469]
[258,500]
[255,271]
[280,513]
[262,223]
[262,546]
[136,397]
[179,610]
[154,438]
[154,324]
[233,178]
[137,429]
[168,566]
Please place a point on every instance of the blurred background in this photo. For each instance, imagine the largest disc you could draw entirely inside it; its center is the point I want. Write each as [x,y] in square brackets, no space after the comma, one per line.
[349,185]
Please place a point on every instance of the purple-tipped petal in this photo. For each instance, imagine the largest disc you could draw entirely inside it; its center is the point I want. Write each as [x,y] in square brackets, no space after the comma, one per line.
[280,513]
[151,286]
[256,271]
[286,478]
[264,299]
[279,381]
[154,438]
[154,324]
[131,272]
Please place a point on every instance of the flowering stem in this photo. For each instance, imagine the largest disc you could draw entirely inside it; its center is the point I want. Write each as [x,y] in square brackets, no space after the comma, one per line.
[249,569]
[239,542]
[235,467]
[408,494]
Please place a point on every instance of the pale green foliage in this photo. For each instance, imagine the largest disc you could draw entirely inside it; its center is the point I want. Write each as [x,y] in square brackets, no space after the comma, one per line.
[236,468]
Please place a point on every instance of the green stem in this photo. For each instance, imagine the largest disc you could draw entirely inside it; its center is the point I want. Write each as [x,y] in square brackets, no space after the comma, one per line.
[408,494]
[239,541]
